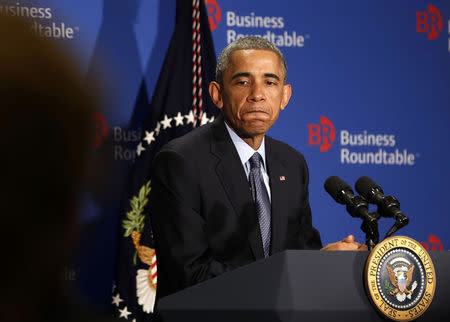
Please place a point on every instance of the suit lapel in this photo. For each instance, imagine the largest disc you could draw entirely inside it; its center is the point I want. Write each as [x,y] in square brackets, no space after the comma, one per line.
[279,188]
[234,181]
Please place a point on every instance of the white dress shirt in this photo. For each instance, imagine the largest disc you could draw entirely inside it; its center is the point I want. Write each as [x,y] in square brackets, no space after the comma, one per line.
[245,152]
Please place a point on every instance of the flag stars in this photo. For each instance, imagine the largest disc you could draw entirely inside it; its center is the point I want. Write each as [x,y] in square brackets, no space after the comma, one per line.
[166,122]
[178,119]
[116,300]
[140,149]
[190,117]
[204,119]
[149,137]
[157,128]
[124,313]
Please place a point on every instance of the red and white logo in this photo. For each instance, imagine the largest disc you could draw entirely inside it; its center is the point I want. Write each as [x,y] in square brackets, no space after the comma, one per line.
[214,14]
[433,242]
[101,130]
[322,134]
[429,21]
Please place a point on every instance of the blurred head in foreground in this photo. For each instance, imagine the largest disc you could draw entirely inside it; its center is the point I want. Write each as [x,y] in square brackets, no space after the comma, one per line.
[45,129]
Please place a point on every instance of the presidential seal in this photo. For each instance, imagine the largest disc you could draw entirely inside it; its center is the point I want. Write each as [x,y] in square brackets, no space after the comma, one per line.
[400,278]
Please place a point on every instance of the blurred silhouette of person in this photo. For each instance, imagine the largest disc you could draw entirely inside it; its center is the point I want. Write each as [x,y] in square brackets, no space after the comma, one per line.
[46,129]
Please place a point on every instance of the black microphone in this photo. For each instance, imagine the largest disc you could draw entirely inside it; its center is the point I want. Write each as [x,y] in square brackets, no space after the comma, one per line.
[357,206]
[388,206]
[342,193]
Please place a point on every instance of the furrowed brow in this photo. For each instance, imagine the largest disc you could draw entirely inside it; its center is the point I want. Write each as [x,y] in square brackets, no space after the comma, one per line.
[270,75]
[243,74]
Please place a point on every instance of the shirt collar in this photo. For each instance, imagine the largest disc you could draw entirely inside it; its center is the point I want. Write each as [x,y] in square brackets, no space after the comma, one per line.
[244,150]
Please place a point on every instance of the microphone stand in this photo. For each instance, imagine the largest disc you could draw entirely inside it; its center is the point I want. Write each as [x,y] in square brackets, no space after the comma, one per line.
[400,221]
[370,227]
[389,206]
[357,207]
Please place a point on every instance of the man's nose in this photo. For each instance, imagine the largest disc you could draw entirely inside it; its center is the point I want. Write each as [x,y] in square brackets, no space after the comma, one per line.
[256,93]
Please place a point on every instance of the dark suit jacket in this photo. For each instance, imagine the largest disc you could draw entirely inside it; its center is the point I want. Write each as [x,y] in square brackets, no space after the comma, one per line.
[202,214]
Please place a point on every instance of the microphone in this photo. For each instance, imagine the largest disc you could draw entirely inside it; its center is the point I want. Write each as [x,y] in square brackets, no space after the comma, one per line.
[342,193]
[388,206]
[357,206]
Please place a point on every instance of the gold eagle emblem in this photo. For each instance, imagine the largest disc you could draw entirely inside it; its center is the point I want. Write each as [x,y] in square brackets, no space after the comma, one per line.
[400,280]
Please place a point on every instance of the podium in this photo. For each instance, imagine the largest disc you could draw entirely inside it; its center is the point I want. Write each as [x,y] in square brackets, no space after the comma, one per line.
[295,285]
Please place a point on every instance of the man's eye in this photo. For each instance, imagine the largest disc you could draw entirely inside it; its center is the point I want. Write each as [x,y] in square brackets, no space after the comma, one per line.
[270,82]
[242,82]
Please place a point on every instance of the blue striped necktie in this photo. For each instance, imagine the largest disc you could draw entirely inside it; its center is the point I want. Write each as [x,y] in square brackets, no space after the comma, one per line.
[261,199]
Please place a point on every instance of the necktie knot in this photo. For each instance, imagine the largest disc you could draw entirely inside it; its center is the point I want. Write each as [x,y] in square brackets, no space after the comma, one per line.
[255,161]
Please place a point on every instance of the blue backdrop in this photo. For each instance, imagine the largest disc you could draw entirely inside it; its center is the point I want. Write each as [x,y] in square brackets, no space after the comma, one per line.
[371,97]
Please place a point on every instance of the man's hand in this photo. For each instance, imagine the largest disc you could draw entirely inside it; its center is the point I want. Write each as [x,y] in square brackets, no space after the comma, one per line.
[348,243]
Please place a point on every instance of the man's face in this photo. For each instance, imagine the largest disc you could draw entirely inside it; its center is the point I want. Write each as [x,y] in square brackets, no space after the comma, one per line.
[252,93]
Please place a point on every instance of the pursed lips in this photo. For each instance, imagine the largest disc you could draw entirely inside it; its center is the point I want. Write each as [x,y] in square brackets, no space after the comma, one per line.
[255,109]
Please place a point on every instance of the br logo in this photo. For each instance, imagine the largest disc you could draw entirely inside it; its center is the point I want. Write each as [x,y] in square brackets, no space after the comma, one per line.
[429,21]
[214,14]
[322,134]
[101,130]
[434,242]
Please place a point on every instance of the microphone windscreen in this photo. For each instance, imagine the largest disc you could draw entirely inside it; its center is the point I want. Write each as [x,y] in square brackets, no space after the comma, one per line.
[365,186]
[334,186]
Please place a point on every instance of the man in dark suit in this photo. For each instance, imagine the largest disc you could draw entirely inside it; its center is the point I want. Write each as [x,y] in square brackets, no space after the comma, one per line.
[226,194]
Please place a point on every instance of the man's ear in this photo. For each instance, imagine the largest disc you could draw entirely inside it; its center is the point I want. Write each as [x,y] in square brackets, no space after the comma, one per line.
[287,92]
[216,94]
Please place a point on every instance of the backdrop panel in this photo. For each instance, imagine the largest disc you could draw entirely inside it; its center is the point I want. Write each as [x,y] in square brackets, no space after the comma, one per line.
[370,97]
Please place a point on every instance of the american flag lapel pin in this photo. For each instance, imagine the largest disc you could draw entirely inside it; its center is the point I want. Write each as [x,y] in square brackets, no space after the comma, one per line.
[282,178]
